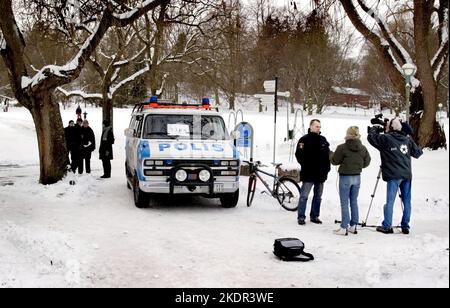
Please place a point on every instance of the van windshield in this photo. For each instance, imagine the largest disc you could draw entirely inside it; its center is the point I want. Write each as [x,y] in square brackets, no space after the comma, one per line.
[188,127]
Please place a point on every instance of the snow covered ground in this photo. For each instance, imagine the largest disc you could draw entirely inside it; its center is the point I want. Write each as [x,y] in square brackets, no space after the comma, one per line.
[91,235]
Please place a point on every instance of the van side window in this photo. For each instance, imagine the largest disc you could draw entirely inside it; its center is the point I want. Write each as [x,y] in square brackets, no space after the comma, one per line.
[132,121]
[139,121]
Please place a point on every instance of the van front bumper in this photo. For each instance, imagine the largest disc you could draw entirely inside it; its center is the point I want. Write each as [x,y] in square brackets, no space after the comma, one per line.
[161,185]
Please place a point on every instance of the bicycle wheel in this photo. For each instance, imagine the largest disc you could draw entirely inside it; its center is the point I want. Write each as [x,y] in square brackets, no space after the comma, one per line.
[287,192]
[251,189]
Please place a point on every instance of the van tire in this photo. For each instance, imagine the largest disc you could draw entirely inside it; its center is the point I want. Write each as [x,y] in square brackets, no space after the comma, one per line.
[141,199]
[229,200]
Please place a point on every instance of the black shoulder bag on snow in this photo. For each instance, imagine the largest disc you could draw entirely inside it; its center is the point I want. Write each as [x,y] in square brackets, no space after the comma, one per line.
[291,249]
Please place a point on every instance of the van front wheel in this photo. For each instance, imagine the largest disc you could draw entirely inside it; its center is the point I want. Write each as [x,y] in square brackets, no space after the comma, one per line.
[229,200]
[141,199]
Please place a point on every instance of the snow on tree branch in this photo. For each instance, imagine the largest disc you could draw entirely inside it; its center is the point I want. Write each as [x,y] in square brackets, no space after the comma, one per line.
[66,73]
[66,70]
[116,87]
[382,44]
[2,41]
[441,54]
[126,61]
[79,93]
[387,34]
[126,18]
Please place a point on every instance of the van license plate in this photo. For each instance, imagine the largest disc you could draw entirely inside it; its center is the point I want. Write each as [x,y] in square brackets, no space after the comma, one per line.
[218,187]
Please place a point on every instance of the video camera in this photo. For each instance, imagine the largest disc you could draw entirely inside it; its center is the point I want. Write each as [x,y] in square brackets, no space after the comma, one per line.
[379,124]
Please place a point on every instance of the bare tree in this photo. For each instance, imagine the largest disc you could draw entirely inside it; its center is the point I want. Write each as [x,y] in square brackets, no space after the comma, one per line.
[36,92]
[429,18]
[109,67]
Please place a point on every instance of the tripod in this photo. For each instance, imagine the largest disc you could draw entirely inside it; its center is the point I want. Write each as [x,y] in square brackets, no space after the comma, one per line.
[364,223]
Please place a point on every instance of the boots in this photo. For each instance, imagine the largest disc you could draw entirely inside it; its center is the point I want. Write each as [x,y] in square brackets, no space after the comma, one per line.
[341,231]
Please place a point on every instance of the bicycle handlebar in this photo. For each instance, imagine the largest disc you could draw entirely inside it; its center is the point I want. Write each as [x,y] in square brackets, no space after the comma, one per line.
[259,163]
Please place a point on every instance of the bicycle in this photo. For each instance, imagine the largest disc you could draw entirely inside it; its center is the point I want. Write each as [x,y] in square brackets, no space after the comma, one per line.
[284,189]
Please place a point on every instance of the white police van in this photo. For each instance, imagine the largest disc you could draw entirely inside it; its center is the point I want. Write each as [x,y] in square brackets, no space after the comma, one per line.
[180,149]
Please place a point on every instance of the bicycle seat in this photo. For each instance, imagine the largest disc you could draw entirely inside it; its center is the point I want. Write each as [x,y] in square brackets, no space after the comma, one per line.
[276,165]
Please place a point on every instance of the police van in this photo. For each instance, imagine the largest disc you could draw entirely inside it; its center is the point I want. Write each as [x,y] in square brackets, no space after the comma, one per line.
[180,149]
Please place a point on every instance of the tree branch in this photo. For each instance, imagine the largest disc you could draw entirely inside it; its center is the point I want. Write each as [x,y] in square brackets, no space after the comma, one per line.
[398,49]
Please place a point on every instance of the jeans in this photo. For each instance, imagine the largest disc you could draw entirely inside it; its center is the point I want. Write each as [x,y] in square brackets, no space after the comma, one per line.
[317,199]
[392,189]
[348,191]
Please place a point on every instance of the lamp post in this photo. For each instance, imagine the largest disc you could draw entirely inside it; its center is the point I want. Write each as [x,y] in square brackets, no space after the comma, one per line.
[408,70]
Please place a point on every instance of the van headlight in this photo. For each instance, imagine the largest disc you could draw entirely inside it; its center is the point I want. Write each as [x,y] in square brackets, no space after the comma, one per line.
[181,175]
[204,175]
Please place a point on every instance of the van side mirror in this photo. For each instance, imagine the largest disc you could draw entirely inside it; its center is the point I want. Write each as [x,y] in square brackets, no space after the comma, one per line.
[130,132]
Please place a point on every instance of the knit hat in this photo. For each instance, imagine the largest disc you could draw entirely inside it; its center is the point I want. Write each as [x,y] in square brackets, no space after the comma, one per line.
[395,124]
[352,133]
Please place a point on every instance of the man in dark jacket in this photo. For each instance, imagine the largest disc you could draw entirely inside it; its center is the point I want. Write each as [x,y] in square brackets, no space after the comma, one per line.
[105,150]
[313,155]
[396,149]
[88,146]
[73,143]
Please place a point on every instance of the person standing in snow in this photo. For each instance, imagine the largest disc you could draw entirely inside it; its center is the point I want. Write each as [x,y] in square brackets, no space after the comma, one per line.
[78,112]
[396,149]
[313,155]
[88,146]
[351,157]
[71,144]
[105,150]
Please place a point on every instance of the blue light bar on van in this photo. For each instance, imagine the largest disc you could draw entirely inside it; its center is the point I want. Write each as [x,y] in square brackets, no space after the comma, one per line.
[205,102]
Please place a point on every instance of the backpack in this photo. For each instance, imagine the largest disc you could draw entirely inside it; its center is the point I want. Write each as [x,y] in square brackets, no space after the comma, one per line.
[291,249]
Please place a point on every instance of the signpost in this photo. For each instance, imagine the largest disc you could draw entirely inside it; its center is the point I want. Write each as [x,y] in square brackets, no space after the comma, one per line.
[245,137]
[272,86]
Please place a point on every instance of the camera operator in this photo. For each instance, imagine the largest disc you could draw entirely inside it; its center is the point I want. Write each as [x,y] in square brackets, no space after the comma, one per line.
[396,149]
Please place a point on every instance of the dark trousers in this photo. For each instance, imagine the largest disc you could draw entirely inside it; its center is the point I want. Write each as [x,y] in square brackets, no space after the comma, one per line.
[106,167]
[86,161]
[76,161]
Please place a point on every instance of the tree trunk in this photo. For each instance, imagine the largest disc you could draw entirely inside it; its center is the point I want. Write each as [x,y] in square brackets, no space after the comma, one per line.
[426,131]
[231,101]
[53,155]
[216,96]
[107,110]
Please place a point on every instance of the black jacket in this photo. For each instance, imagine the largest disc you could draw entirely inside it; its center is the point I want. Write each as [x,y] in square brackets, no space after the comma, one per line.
[87,141]
[106,142]
[396,150]
[313,155]
[73,138]
[352,156]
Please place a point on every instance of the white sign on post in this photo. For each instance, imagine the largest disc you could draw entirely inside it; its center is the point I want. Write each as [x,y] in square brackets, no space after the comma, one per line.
[269,85]
[284,94]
